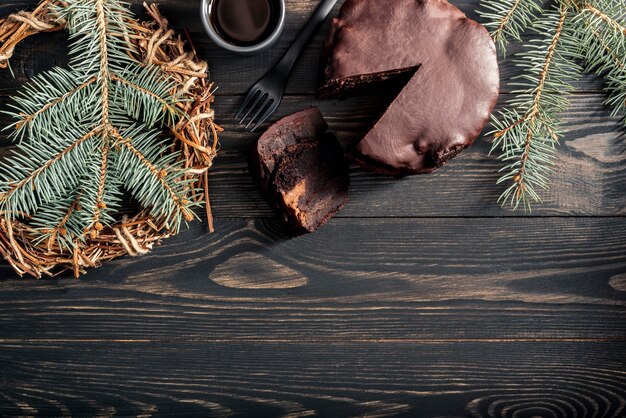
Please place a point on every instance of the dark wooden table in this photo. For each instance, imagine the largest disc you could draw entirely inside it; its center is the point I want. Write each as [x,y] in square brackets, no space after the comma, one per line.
[422,298]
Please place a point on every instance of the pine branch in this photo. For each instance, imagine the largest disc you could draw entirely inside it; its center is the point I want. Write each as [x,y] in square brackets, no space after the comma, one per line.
[60,228]
[58,214]
[75,153]
[148,179]
[95,226]
[52,97]
[28,119]
[100,193]
[610,21]
[508,19]
[22,197]
[146,92]
[103,74]
[143,95]
[528,131]
[603,44]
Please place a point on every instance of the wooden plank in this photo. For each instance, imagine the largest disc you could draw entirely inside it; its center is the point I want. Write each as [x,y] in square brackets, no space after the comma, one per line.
[368,317]
[354,280]
[590,176]
[549,379]
[235,74]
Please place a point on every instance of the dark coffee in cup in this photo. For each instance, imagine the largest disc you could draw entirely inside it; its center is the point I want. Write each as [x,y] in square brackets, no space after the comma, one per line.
[244,22]
[243,26]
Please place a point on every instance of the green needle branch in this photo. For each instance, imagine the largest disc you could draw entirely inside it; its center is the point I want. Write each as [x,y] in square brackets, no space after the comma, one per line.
[569,37]
[89,134]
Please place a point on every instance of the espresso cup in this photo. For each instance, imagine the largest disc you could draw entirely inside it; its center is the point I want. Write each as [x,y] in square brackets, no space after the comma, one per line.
[231,24]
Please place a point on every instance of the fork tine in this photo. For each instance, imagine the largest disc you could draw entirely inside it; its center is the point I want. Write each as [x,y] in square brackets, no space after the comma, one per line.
[259,103]
[261,109]
[273,106]
[251,94]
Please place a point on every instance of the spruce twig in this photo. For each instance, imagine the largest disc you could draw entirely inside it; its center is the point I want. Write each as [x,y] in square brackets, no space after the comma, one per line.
[603,43]
[508,19]
[23,241]
[571,36]
[92,111]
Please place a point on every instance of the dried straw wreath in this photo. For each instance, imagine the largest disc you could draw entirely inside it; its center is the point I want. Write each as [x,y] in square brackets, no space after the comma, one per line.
[195,136]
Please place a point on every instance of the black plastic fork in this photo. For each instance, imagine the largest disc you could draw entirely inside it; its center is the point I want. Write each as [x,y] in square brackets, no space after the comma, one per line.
[265,96]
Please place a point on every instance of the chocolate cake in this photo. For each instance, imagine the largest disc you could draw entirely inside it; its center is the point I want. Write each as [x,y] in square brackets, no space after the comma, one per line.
[453,87]
[302,170]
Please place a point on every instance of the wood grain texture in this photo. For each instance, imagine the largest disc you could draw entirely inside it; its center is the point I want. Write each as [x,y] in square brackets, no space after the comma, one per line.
[512,380]
[422,299]
[354,280]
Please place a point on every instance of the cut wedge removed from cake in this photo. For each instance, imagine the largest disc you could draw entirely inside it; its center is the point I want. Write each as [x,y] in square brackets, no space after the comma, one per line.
[302,170]
[453,86]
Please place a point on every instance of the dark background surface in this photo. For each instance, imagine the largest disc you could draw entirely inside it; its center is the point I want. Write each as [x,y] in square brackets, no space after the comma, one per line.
[422,298]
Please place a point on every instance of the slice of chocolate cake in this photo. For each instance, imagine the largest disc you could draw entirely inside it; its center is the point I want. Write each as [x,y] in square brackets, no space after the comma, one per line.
[302,170]
[448,100]
[299,128]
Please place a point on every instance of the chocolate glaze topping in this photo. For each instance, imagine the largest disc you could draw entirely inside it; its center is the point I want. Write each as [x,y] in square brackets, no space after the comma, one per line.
[446,103]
